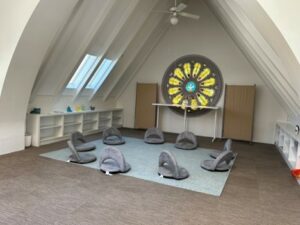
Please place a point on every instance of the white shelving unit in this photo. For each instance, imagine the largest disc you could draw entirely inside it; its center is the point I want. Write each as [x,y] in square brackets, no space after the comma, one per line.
[50,128]
[288,145]
[90,122]
[117,118]
[105,120]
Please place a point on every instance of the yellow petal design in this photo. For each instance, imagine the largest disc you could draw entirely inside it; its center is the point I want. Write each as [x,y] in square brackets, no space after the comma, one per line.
[174,81]
[209,82]
[184,104]
[202,99]
[194,104]
[196,69]
[178,73]
[208,92]
[187,69]
[204,74]
[177,99]
[174,90]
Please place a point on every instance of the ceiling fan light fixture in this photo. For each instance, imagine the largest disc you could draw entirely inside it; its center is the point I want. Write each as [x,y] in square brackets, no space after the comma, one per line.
[174,20]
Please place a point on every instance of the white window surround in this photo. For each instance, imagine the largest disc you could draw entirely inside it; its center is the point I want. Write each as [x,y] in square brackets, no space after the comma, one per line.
[101,74]
[89,76]
[83,72]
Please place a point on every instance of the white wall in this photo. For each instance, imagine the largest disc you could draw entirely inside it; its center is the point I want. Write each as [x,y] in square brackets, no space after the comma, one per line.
[205,37]
[23,68]
[50,104]
[14,15]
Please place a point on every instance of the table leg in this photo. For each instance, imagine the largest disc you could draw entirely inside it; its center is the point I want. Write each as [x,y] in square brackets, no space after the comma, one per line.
[215,129]
[157,116]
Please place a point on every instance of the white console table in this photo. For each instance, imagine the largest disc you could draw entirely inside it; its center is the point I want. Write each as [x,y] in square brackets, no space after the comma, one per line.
[216,108]
[288,144]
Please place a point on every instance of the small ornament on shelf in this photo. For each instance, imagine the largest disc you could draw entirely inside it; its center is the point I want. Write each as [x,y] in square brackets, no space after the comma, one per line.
[69,109]
[36,111]
[78,108]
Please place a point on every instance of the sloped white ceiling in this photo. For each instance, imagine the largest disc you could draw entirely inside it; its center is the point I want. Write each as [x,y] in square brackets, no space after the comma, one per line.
[108,28]
[128,30]
[286,17]
[264,46]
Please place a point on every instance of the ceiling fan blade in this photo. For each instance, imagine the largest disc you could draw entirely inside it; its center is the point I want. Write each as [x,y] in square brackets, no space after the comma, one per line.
[161,11]
[189,15]
[180,7]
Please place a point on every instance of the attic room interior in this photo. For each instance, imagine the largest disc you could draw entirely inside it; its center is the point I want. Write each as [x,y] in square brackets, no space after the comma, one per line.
[149,112]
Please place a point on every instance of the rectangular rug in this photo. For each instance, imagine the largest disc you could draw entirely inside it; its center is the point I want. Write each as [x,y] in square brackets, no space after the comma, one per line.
[143,159]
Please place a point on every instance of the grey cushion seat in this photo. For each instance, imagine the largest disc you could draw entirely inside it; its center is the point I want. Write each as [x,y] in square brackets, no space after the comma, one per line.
[154,136]
[112,136]
[186,140]
[221,163]
[80,144]
[81,158]
[169,168]
[227,147]
[112,160]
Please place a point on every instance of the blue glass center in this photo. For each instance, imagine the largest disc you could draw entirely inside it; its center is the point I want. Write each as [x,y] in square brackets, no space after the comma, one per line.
[190,86]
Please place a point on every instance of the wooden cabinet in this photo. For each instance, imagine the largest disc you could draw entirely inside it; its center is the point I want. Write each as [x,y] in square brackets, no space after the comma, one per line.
[146,94]
[238,112]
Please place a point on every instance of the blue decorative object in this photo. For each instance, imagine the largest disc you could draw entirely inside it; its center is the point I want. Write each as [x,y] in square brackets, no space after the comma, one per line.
[191,86]
[69,109]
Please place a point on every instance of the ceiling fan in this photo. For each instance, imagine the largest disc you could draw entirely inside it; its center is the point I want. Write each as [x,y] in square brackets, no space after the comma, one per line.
[178,10]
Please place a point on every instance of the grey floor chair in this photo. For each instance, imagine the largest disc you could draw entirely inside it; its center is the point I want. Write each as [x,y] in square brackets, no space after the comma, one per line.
[227,147]
[113,161]
[221,163]
[80,144]
[154,136]
[168,167]
[112,136]
[78,157]
[186,140]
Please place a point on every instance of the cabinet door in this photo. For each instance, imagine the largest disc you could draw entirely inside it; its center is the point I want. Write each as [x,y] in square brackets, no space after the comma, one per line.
[146,94]
[238,112]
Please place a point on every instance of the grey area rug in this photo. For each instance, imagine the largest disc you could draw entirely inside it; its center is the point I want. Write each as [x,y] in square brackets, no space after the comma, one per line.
[143,159]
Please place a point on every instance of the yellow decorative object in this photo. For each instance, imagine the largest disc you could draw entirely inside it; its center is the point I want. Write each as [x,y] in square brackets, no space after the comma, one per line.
[185,102]
[177,99]
[201,98]
[209,82]
[187,69]
[194,104]
[77,108]
[208,92]
[192,82]
[174,90]
[174,81]
[178,73]
[196,69]
[203,74]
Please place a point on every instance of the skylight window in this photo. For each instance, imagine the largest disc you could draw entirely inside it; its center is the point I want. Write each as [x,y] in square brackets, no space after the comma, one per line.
[83,72]
[101,74]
